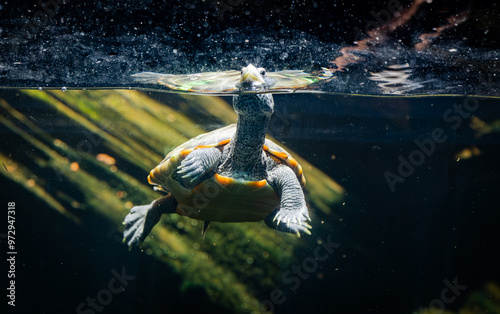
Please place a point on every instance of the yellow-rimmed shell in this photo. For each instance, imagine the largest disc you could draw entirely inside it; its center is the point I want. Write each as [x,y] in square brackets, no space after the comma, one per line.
[221,198]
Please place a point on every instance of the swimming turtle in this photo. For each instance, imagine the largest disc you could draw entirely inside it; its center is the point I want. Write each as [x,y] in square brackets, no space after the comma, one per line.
[227,82]
[233,174]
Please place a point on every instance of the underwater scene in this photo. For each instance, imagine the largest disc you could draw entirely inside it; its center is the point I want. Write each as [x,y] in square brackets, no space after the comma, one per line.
[250,157]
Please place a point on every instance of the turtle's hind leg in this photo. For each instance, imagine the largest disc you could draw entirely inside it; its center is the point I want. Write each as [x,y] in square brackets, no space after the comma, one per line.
[141,219]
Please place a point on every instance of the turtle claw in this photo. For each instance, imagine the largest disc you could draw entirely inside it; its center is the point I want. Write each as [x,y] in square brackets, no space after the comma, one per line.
[187,177]
[197,164]
[295,220]
[190,171]
[306,216]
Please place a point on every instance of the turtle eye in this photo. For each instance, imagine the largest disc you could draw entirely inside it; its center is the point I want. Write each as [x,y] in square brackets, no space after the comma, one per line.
[262,72]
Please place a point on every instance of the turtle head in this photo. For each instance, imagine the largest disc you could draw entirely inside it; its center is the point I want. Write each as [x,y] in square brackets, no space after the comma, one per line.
[253,79]
[254,104]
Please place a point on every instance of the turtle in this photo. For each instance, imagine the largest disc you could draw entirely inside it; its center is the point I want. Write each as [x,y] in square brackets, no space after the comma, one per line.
[226,82]
[232,174]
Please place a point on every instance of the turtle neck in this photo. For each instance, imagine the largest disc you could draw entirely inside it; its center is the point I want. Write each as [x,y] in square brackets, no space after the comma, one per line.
[248,141]
[246,146]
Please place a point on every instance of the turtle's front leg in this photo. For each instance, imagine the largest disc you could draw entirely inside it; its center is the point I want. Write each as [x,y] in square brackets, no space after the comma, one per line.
[141,219]
[293,214]
[197,164]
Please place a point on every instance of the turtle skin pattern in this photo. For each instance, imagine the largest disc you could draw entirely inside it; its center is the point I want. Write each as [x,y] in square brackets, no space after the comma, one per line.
[233,174]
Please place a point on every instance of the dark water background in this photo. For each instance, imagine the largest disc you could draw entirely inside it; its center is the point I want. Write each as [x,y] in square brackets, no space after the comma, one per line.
[398,247]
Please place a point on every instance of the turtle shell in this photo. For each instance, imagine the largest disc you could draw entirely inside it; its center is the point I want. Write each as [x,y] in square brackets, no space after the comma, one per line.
[220,198]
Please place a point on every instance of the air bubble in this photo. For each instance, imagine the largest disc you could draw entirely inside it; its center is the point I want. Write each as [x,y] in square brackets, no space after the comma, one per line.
[283,56]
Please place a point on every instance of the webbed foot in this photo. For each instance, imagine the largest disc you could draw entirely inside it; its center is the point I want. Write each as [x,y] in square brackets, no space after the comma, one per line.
[141,219]
[293,214]
[290,220]
[138,223]
[198,163]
